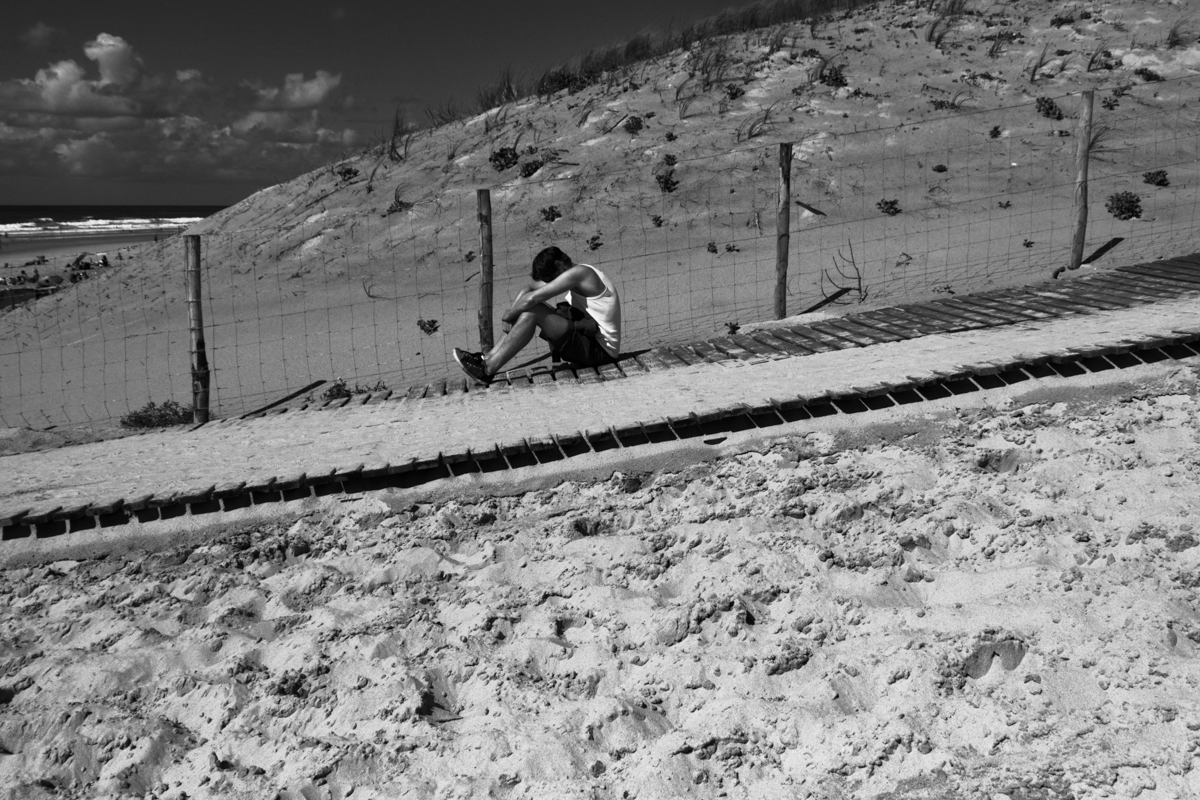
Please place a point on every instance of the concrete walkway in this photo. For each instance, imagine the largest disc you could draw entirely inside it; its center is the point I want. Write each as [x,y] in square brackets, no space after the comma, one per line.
[414,437]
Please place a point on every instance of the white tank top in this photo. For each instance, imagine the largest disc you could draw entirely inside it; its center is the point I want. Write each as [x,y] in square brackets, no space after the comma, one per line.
[605,308]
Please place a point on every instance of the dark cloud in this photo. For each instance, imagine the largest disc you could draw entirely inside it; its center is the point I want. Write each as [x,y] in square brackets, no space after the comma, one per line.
[40,36]
[111,116]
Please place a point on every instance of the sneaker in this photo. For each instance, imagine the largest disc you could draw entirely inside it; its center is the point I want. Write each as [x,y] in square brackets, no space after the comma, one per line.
[473,365]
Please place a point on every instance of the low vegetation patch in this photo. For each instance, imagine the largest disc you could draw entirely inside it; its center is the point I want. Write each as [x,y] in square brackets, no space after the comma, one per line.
[153,415]
[1048,108]
[339,389]
[504,158]
[833,77]
[889,207]
[1124,205]
[1156,177]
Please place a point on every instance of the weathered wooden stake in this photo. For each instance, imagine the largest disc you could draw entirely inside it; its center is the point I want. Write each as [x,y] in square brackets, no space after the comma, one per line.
[783,224]
[1083,149]
[200,374]
[484,200]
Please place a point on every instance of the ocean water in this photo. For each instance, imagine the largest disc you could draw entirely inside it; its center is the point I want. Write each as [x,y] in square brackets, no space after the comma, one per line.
[66,230]
[51,221]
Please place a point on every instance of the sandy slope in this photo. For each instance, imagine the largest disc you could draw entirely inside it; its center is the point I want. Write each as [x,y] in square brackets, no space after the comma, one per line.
[316,279]
[995,602]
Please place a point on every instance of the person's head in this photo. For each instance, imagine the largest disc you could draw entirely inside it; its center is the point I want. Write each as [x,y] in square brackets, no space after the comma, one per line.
[549,264]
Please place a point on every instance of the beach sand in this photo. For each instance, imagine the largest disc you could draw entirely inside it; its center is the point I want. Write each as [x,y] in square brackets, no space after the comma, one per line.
[988,602]
[61,250]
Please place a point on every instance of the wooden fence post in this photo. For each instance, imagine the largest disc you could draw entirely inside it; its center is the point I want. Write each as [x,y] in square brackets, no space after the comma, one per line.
[783,224]
[484,201]
[200,374]
[1083,149]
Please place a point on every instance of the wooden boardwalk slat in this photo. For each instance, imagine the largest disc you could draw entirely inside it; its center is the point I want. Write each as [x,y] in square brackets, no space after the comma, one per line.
[710,353]
[880,318]
[1077,295]
[730,347]
[857,332]
[1077,289]
[757,347]
[542,376]
[989,302]
[609,372]
[782,345]
[901,315]
[795,335]
[835,333]
[652,361]
[670,358]
[1186,263]
[1159,283]
[831,341]
[1180,272]
[1145,286]
[686,354]
[1143,292]
[1181,275]
[986,316]
[968,323]
[1055,308]
[926,323]
[563,374]
[880,324]
[631,366]
[587,375]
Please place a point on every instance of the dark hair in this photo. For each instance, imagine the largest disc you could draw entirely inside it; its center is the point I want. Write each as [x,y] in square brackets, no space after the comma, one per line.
[545,264]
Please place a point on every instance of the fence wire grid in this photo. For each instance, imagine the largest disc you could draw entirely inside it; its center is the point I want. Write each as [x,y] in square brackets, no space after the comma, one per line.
[968,201]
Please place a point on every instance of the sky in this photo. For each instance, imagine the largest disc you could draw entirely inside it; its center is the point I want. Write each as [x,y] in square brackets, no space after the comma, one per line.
[205,103]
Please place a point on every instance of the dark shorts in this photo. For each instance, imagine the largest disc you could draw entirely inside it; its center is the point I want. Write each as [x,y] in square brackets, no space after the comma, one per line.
[578,348]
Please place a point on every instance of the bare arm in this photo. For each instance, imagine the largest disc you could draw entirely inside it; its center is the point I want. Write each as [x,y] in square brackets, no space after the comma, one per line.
[571,279]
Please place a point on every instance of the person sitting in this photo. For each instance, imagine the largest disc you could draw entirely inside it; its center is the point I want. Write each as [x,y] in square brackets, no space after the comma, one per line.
[584,330]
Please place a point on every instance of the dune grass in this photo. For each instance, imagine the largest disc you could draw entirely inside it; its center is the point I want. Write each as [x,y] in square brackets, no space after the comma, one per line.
[603,63]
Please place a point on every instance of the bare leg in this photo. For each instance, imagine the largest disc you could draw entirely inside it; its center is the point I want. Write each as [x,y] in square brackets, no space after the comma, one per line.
[540,317]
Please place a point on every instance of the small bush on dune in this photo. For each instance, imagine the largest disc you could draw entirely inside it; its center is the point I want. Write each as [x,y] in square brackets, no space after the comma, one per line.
[1049,109]
[1124,205]
[666,181]
[153,415]
[1156,178]
[889,207]
[504,158]
[833,77]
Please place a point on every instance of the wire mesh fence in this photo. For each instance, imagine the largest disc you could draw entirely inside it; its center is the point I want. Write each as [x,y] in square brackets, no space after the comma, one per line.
[967,201]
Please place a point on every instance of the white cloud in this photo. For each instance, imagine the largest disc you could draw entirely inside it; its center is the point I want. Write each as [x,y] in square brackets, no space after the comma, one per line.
[63,89]
[118,63]
[299,93]
[185,75]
